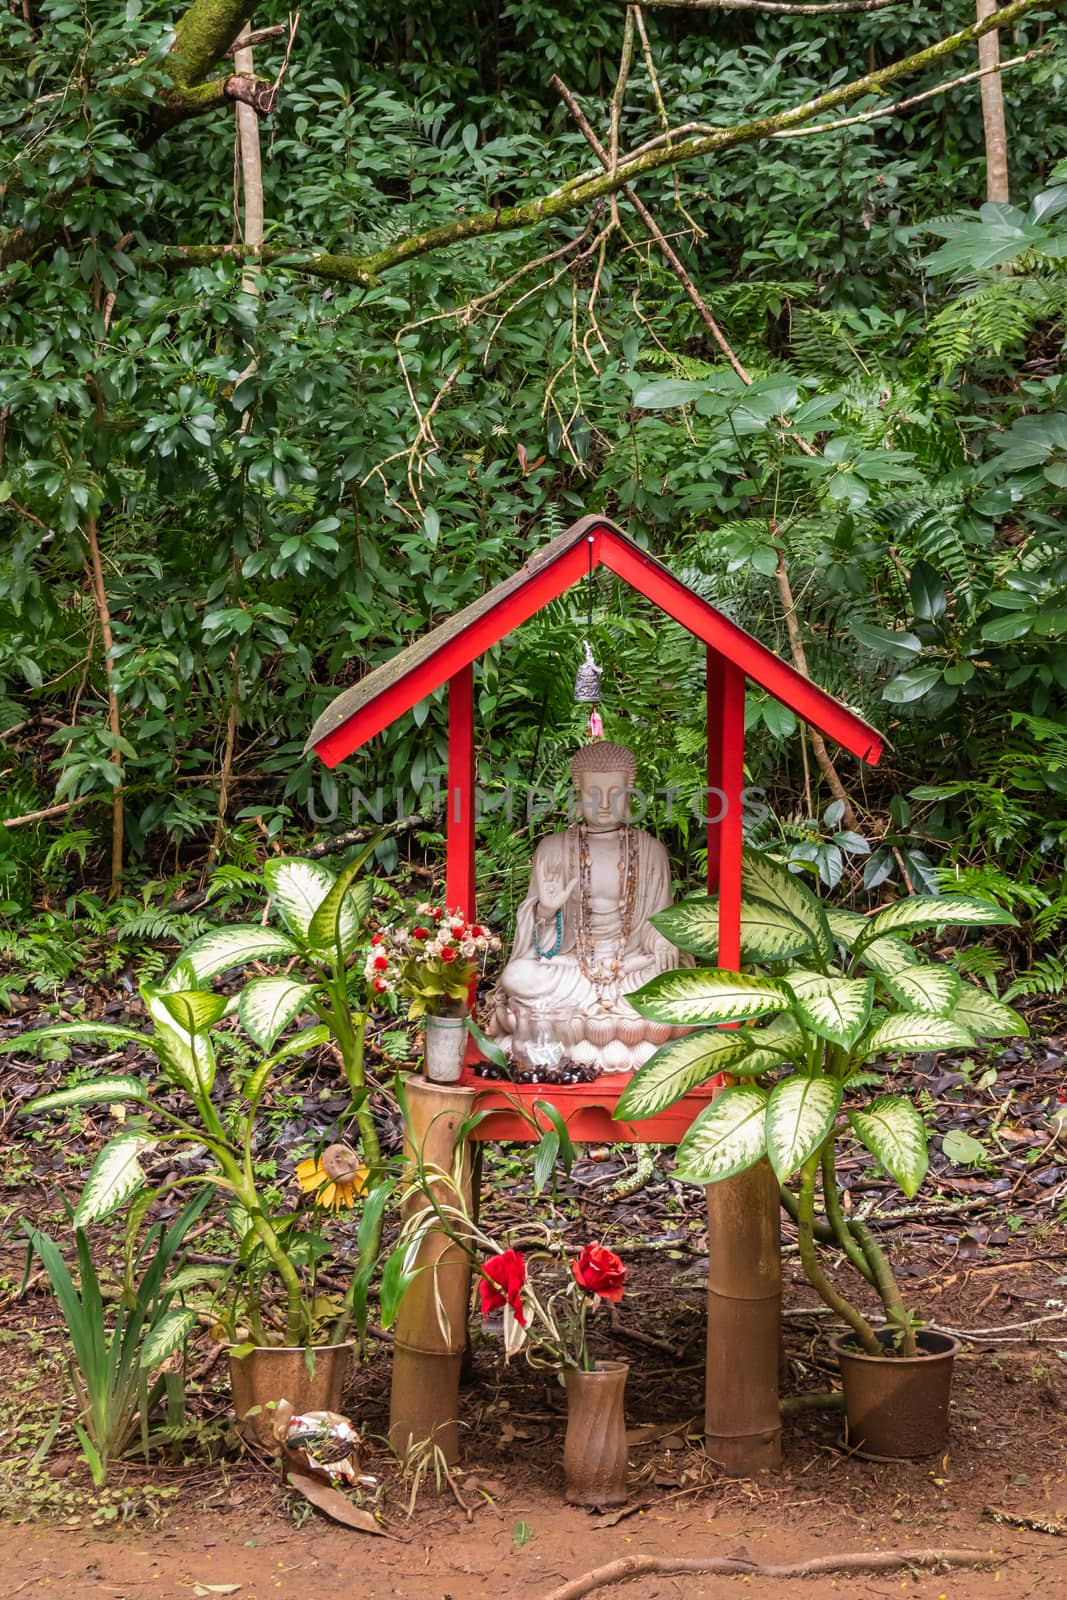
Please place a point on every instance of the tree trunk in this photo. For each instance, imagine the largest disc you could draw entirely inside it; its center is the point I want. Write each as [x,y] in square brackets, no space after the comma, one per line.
[996,138]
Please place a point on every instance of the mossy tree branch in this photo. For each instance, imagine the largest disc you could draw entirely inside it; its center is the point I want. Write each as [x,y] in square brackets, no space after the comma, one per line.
[579,193]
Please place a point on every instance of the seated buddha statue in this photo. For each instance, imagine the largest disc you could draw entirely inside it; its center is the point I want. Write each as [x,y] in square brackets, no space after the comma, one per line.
[583,938]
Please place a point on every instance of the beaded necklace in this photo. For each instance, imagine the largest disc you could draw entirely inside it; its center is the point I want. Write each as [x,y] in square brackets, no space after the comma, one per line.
[604,977]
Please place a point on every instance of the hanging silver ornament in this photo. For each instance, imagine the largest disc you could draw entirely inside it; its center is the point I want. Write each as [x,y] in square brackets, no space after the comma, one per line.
[587,680]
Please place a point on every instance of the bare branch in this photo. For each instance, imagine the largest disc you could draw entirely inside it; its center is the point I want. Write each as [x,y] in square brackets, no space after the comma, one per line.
[577,194]
[780,7]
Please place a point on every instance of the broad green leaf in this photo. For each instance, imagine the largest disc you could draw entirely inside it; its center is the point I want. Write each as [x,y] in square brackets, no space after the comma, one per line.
[764,879]
[115,1175]
[888,956]
[962,1149]
[986,1017]
[194,1010]
[803,983]
[71,1032]
[100,1091]
[892,1130]
[916,1034]
[840,1011]
[726,1138]
[298,889]
[676,1068]
[340,918]
[769,1045]
[927,988]
[770,932]
[800,1114]
[187,1058]
[268,1005]
[168,1335]
[708,994]
[692,924]
[846,926]
[939,910]
[225,948]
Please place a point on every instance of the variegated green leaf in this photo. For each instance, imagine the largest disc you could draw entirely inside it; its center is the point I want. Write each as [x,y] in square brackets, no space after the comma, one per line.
[194,1010]
[769,1045]
[70,1033]
[800,1113]
[986,1017]
[187,1058]
[692,924]
[726,1138]
[840,1011]
[676,1068]
[168,1335]
[888,956]
[764,879]
[268,1005]
[892,1130]
[846,926]
[340,918]
[101,1091]
[114,1176]
[708,994]
[225,948]
[916,1034]
[934,990]
[298,889]
[940,910]
[769,932]
[803,983]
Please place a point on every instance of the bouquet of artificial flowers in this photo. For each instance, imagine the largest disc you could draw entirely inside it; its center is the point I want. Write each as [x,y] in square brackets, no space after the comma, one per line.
[430,962]
[556,1322]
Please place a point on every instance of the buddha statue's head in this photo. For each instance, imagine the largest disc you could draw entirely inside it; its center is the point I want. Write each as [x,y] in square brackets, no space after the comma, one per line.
[603,776]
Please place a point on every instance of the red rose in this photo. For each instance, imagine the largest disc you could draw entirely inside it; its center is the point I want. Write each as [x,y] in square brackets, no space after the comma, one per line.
[420,933]
[381,963]
[380,986]
[436,913]
[477,932]
[501,1284]
[377,939]
[448,954]
[599,1271]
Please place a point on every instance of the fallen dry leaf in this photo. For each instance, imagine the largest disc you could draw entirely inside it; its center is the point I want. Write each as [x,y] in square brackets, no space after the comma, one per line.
[333,1504]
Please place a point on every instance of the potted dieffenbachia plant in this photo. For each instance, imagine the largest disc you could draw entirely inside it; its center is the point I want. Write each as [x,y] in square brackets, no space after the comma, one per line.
[829,1001]
[282,1329]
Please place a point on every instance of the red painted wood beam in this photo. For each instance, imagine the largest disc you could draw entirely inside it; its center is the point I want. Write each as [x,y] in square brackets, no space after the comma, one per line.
[754,660]
[459,651]
[726,776]
[459,831]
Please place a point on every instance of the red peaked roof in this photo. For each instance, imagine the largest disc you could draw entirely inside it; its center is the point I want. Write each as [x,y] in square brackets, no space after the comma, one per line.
[385,694]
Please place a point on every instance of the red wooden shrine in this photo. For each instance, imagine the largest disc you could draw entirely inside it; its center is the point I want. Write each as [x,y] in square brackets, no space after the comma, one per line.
[447,654]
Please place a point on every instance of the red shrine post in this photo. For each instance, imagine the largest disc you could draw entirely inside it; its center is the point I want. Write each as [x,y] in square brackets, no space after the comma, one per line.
[743,1429]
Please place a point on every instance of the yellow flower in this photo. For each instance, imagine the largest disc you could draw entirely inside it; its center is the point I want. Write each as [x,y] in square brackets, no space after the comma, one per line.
[336,1179]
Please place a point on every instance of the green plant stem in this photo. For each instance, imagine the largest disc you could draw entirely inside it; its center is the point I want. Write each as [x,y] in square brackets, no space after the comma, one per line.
[888,1288]
[840,1225]
[350,1034]
[267,1237]
[813,1271]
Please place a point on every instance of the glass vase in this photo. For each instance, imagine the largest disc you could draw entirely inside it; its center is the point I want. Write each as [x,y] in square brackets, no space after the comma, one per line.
[594,1452]
[445,1045]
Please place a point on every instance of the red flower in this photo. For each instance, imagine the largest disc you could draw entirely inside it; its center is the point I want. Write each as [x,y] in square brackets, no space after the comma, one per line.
[477,932]
[436,913]
[501,1284]
[380,986]
[599,1271]
[420,933]
[448,954]
[377,939]
[381,963]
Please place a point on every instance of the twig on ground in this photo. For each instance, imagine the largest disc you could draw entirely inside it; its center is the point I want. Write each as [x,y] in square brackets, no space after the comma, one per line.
[877,1561]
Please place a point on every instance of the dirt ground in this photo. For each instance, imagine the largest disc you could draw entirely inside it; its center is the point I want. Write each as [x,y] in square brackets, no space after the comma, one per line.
[985,1257]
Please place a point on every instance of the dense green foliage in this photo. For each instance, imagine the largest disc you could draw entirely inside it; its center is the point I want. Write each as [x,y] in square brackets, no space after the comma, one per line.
[289,476]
